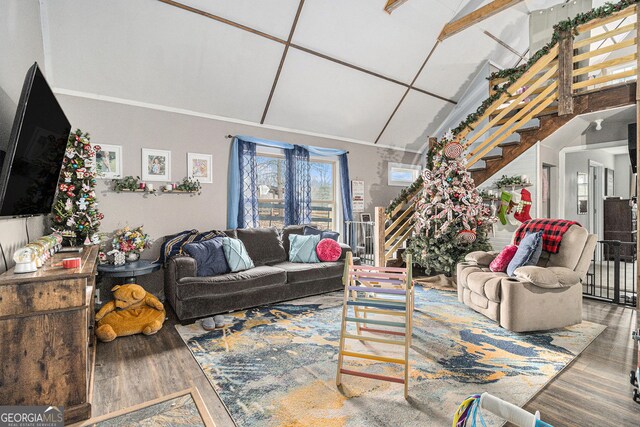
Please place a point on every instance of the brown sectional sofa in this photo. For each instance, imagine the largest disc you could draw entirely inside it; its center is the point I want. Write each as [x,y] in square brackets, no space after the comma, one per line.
[274,278]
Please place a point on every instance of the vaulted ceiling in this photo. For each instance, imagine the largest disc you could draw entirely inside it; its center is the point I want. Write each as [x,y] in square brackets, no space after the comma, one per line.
[351,70]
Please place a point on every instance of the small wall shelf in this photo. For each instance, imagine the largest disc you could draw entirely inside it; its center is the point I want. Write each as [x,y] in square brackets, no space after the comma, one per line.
[181,191]
[513,186]
[137,190]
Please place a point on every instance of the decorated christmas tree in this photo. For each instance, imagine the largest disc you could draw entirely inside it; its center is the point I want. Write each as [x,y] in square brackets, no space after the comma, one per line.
[451,220]
[75,211]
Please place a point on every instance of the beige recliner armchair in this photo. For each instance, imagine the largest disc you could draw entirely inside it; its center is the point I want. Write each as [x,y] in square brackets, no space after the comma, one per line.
[542,297]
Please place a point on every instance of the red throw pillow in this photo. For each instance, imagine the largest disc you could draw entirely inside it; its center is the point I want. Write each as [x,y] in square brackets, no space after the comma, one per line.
[329,250]
[500,263]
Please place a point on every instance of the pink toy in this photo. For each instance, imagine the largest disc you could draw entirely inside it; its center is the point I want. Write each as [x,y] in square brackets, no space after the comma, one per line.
[328,250]
[500,263]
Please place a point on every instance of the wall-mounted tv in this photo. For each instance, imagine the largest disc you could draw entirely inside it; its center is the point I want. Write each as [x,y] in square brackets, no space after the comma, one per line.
[30,163]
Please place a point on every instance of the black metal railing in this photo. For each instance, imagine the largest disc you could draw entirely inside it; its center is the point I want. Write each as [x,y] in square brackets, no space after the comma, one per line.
[359,235]
[612,273]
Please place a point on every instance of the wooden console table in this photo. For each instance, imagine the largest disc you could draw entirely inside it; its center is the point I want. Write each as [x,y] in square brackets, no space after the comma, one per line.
[47,343]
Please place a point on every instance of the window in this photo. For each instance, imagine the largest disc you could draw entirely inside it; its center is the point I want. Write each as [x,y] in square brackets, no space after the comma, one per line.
[400,174]
[271,182]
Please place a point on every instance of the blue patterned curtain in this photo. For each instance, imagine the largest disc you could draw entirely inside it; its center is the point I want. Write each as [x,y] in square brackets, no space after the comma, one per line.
[248,200]
[345,189]
[297,190]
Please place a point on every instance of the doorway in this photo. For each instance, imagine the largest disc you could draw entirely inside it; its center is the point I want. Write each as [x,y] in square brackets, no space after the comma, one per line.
[596,197]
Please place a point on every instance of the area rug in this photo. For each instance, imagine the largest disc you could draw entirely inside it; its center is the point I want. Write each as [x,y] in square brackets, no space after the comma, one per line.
[276,365]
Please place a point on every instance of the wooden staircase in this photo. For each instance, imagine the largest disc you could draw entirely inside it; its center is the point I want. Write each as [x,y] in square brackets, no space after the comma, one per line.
[582,73]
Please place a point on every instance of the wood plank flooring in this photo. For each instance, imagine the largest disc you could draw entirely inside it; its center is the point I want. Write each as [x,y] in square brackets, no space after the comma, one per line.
[592,391]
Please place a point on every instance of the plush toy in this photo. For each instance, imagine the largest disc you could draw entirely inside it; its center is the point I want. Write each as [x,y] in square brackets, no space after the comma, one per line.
[133,311]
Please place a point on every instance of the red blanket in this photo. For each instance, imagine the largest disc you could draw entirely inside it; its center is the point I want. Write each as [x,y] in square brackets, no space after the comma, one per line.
[552,232]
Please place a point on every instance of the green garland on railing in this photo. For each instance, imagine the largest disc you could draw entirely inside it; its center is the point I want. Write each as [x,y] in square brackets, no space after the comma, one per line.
[513,74]
[404,195]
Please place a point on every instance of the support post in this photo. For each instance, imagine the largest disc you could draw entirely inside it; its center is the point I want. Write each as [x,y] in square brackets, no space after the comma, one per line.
[565,74]
[378,236]
[637,140]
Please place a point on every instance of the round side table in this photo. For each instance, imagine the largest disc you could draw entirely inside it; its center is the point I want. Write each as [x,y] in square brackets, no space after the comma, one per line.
[130,270]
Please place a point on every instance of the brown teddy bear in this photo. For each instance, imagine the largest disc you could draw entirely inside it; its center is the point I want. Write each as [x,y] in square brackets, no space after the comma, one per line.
[133,311]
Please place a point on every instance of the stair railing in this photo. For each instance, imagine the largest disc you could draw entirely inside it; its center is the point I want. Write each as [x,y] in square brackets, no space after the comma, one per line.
[598,57]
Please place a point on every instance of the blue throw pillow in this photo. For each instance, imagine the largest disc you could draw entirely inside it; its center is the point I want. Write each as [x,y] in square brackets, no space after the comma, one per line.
[303,248]
[528,252]
[209,256]
[236,254]
[327,234]
[173,244]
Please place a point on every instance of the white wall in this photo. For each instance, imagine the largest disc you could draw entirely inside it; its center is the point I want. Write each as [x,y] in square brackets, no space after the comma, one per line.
[526,164]
[20,47]
[623,175]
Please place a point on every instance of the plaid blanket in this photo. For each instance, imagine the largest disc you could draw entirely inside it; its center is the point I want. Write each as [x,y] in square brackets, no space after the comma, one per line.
[552,232]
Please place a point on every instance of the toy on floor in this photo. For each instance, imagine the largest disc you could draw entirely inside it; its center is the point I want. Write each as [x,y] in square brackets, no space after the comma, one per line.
[382,302]
[133,311]
[470,412]
[635,375]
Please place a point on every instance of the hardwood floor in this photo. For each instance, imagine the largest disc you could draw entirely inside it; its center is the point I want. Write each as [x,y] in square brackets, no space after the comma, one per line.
[592,391]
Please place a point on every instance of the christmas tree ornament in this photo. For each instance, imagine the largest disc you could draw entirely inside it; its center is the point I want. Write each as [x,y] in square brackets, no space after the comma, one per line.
[467,236]
[453,150]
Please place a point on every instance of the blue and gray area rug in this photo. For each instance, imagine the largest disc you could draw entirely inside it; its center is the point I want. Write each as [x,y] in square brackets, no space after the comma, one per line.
[276,365]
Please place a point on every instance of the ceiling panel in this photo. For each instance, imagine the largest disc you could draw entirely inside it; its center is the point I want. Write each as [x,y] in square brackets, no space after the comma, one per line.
[417,118]
[322,96]
[360,32]
[169,57]
[273,17]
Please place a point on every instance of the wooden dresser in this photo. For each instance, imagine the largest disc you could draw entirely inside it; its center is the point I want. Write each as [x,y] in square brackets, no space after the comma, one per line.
[46,336]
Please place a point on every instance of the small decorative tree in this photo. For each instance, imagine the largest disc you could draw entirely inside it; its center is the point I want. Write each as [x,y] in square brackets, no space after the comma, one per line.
[451,220]
[75,212]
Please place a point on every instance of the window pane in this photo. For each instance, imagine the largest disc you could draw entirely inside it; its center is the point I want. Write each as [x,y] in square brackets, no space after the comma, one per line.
[270,172]
[321,181]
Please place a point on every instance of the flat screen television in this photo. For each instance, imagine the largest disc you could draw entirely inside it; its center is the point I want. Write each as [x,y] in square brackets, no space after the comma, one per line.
[30,164]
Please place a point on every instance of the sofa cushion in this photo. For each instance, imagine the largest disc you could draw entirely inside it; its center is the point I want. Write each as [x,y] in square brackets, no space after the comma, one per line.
[324,234]
[287,231]
[486,284]
[300,272]
[209,256]
[236,254]
[195,287]
[263,245]
[528,252]
[571,247]
[303,248]
[501,262]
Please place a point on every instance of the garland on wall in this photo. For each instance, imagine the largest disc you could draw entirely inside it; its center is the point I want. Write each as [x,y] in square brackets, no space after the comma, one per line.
[512,74]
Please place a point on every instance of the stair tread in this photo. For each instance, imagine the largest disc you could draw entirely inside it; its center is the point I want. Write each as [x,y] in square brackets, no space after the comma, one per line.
[508,144]
[529,129]
[492,157]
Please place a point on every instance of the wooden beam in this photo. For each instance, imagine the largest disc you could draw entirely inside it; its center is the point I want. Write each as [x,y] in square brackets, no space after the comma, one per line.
[393,5]
[478,15]
[565,74]
[503,44]
[284,56]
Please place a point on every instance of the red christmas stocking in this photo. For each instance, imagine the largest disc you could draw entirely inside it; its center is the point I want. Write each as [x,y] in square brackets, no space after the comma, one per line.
[523,214]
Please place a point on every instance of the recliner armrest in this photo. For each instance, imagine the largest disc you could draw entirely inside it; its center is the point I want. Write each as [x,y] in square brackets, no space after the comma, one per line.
[481,258]
[549,277]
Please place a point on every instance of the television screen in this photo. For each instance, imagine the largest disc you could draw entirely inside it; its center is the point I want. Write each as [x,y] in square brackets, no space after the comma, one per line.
[30,164]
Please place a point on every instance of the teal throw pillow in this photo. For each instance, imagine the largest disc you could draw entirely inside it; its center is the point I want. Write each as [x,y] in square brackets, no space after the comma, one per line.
[236,254]
[303,248]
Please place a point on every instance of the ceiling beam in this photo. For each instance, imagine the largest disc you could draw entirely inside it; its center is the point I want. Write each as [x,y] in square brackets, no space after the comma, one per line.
[393,5]
[478,15]
[505,45]
[298,47]
[284,56]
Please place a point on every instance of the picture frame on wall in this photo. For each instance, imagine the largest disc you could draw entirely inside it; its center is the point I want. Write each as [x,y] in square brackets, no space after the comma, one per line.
[109,161]
[609,179]
[401,174]
[156,165]
[200,167]
[365,217]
